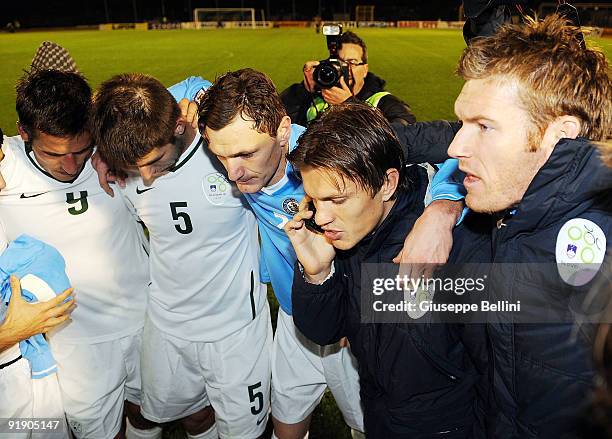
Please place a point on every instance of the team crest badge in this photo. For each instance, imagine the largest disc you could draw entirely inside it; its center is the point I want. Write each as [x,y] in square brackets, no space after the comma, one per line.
[291,206]
[216,188]
[580,250]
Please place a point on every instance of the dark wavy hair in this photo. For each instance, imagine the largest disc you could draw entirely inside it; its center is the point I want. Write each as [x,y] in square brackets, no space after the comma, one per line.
[53,102]
[354,140]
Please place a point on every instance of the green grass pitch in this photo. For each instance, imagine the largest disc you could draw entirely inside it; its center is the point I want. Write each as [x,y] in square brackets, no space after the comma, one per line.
[418,66]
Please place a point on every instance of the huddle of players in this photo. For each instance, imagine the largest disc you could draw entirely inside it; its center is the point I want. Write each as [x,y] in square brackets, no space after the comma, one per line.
[205,341]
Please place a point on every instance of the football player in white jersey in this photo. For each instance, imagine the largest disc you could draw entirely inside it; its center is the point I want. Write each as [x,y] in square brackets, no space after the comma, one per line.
[52,193]
[208,334]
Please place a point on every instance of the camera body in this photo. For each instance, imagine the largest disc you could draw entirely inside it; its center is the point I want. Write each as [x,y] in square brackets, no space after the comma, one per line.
[329,71]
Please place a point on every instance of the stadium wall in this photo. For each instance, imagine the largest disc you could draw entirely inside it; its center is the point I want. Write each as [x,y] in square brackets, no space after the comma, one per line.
[124,26]
[410,24]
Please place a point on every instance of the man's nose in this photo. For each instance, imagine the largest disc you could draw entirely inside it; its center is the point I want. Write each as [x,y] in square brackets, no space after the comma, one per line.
[70,164]
[234,171]
[459,146]
[323,214]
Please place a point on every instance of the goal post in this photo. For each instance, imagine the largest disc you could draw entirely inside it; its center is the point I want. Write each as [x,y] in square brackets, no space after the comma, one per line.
[364,13]
[225,14]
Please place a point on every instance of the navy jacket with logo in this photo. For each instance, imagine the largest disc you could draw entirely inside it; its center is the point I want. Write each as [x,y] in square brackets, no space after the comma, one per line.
[540,374]
[416,379]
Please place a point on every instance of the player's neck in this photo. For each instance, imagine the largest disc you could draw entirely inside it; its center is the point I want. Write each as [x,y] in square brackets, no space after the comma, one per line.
[280,170]
[187,138]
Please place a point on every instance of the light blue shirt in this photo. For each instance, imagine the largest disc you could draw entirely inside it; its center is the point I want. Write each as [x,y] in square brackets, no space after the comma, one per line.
[273,207]
[29,256]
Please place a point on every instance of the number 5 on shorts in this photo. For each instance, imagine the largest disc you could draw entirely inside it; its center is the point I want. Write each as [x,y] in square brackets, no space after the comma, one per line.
[257,398]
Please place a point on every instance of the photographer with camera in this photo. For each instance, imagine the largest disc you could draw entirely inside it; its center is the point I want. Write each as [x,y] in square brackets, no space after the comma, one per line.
[343,77]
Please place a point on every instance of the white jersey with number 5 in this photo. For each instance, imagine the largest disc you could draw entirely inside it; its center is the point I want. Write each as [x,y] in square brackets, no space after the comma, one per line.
[204,249]
[97,235]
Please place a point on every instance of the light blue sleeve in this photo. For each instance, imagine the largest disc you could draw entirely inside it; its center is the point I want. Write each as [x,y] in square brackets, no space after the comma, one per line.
[190,88]
[26,255]
[447,184]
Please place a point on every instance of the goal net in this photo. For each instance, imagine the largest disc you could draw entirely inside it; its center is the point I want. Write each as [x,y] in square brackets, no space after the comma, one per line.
[364,13]
[221,15]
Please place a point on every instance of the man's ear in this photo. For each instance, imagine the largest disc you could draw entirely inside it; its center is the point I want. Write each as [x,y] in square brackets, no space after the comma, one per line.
[390,185]
[563,127]
[569,127]
[284,131]
[23,133]
[180,127]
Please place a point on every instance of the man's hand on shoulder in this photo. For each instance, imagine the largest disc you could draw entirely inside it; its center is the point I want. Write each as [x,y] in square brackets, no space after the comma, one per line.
[430,241]
[105,175]
[189,112]
[23,319]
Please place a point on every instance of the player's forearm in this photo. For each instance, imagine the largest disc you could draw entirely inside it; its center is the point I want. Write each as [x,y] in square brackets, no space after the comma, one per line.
[19,326]
[8,337]
[445,212]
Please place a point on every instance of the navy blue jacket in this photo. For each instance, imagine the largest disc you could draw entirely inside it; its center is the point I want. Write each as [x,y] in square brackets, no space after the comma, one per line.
[540,375]
[416,380]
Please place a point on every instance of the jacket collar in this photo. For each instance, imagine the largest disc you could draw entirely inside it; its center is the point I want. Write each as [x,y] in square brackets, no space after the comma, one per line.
[572,179]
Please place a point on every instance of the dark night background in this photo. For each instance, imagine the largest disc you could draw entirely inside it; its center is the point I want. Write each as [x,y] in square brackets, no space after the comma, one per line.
[50,13]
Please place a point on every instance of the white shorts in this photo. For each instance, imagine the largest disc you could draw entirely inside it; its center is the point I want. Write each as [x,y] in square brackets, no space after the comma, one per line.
[302,370]
[181,377]
[23,397]
[95,380]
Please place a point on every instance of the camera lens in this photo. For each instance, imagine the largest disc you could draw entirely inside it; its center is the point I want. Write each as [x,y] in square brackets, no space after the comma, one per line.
[326,75]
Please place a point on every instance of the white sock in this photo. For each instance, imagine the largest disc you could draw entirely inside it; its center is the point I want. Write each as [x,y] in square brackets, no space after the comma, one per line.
[211,433]
[132,432]
[356,434]
[274,436]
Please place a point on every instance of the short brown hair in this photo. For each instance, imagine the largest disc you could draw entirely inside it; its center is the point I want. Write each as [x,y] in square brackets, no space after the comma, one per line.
[352,38]
[556,74]
[355,141]
[132,114]
[245,92]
